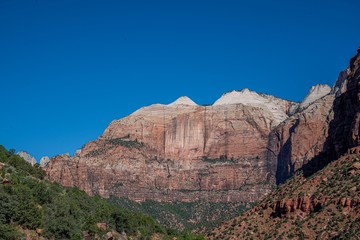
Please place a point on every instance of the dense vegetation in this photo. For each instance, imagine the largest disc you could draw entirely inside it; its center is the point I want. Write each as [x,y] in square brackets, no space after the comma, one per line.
[32,206]
[199,215]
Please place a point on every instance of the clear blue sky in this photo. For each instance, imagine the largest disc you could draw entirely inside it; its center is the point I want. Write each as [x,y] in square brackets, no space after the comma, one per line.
[68,68]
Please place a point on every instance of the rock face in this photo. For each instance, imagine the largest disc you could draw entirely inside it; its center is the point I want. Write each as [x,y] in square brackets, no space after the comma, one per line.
[181,151]
[300,138]
[345,128]
[340,85]
[27,157]
[234,150]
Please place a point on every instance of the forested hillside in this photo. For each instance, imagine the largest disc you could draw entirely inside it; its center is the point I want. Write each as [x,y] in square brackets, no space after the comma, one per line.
[33,207]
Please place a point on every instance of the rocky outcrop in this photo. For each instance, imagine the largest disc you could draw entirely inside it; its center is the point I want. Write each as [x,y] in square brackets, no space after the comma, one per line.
[304,204]
[44,161]
[27,157]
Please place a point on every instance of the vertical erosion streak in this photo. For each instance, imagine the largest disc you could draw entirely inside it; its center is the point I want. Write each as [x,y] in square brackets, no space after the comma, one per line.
[226,140]
[205,132]
[164,134]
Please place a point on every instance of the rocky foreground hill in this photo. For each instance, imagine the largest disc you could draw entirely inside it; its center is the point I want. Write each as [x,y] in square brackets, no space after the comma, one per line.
[322,200]
[235,150]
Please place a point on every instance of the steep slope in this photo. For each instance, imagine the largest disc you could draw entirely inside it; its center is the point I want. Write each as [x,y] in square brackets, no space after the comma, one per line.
[323,206]
[322,200]
[181,151]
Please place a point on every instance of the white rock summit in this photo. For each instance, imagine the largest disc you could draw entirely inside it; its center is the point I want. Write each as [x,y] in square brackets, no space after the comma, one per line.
[244,96]
[251,98]
[184,100]
[27,157]
[316,92]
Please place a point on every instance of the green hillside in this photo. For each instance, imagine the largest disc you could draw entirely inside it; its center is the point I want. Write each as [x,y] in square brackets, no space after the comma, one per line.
[33,207]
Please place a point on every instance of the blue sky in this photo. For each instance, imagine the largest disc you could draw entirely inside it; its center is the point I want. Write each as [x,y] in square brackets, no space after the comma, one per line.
[68,67]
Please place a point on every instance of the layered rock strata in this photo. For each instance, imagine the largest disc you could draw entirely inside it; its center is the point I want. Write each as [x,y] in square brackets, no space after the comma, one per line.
[181,151]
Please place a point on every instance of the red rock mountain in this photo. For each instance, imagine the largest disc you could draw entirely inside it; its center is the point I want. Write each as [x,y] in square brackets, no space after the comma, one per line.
[322,200]
[233,150]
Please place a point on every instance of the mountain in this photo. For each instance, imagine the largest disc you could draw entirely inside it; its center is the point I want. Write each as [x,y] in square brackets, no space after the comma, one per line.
[182,152]
[235,150]
[322,199]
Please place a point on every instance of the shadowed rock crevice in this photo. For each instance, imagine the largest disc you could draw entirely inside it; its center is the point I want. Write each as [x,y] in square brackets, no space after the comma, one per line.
[285,167]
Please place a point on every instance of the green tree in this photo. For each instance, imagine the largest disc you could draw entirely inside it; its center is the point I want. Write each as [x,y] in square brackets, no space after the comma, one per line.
[62,219]
[8,232]
[8,207]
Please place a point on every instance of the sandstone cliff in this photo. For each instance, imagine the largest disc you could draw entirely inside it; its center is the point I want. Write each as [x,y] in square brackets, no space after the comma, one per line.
[234,150]
[181,151]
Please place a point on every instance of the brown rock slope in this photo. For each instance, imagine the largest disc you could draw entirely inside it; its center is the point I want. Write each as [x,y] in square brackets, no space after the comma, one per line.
[322,200]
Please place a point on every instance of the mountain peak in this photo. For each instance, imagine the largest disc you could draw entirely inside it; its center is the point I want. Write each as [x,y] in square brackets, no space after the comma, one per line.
[184,100]
[245,90]
[316,92]
[243,96]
